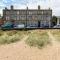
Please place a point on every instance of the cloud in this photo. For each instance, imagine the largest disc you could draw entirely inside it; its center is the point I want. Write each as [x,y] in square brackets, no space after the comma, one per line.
[53,4]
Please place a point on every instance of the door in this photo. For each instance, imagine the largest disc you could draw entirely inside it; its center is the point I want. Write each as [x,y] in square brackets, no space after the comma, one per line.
[38,23]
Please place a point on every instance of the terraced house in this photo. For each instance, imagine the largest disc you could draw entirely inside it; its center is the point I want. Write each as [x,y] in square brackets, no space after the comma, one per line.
[29,17]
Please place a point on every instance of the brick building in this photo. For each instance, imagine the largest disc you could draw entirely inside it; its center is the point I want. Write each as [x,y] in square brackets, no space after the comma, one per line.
[29,17]
[1,20]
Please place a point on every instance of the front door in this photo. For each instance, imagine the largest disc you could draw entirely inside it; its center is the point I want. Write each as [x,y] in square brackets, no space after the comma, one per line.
[38,23]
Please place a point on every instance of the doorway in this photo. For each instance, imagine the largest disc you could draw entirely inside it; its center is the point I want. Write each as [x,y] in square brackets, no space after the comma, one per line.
[39,23]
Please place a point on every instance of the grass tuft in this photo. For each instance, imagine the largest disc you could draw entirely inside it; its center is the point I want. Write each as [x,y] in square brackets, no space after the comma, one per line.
[1,32]
[38,39]
[5,39]
[8,37]
[11,33]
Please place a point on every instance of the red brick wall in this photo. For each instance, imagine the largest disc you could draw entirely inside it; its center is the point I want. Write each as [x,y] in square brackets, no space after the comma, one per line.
[1,22]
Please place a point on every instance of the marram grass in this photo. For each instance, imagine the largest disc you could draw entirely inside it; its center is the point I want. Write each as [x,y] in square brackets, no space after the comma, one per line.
[38,39]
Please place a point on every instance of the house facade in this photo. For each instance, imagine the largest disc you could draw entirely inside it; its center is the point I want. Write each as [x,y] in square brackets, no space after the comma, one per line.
[28,17]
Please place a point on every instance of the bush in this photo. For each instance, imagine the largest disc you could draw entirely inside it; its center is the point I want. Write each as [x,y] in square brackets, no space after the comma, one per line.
[13,39]
[38,39]
[5,39]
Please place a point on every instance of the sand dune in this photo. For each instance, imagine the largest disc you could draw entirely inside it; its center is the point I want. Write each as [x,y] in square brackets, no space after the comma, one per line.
[20,51]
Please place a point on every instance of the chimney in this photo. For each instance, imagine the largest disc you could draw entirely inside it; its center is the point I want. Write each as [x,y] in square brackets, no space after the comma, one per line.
[38,7]
[5,8]
[27,8]
[12,7]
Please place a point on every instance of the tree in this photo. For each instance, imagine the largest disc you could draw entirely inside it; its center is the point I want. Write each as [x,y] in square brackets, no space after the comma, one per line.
[54,21]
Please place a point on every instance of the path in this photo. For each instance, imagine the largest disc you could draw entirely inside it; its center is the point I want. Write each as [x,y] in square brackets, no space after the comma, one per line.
[52,38]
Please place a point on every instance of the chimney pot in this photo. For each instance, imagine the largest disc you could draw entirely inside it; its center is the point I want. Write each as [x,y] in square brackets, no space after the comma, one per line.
[11,7]
[38,7]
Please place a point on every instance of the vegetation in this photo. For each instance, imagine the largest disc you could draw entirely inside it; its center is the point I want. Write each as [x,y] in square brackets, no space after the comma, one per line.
[7,37]
[38,39]
[56,34]
[1,32]
[54,20]
[11,33]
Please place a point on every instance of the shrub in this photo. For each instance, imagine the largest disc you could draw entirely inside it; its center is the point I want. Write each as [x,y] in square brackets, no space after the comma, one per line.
[12,36]
[38,39]
[5,39]
[13,39]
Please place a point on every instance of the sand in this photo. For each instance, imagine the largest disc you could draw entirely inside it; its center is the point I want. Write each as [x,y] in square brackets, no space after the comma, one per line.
[21,51]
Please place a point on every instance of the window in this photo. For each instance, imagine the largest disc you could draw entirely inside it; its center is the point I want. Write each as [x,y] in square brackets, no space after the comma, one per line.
[40,12]
[29,17]
[17,12]
[22,12]
[7,18]
[18,18]
[34,17]
[13,17]
[48,17]
[7,12]
[30,13]
[22,17]
[39,17]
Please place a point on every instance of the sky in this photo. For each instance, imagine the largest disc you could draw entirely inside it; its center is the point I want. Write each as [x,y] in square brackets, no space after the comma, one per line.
[32,4]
